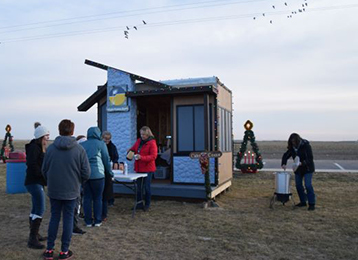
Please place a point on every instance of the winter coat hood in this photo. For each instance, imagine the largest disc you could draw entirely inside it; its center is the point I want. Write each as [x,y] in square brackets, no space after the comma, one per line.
[65,142]
[94,133]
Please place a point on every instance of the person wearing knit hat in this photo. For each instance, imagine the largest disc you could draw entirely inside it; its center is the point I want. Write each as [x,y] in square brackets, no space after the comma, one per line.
[41,131]
[35,182]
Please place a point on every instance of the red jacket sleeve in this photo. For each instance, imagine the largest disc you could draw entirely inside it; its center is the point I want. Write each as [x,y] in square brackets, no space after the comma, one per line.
[135,146]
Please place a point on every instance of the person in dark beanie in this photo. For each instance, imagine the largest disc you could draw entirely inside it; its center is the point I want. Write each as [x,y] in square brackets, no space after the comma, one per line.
[65,168]
[35,182]
[300,150]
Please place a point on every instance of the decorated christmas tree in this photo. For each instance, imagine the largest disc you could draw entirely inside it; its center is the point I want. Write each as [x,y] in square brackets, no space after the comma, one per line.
[249,161]
[4,149]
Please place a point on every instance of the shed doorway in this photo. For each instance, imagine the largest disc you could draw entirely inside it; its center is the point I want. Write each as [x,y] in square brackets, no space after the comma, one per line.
[155,112]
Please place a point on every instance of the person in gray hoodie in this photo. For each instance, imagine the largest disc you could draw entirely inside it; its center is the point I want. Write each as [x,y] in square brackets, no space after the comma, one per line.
[98,157]
[65,168]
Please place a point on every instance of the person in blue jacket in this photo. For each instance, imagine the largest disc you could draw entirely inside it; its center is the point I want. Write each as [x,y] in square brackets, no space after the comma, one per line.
[98,157]
[300,149]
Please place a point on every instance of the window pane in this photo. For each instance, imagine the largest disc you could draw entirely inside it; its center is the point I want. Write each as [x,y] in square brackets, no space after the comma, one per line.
[199,128]
[222,126]
[185,128]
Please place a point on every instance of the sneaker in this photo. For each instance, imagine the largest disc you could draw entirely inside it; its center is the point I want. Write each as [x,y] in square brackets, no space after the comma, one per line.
[89,225]
[78,231]
[98,224]
[311,207]
[48,255]
[65,255]
[301,204]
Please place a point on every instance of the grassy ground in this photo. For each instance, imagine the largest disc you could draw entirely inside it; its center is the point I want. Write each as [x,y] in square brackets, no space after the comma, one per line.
[243,227]
[321,150]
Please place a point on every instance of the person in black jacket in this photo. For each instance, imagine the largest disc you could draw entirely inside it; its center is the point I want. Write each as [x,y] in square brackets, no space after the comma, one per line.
[108,196]
[300,150]
[35,182]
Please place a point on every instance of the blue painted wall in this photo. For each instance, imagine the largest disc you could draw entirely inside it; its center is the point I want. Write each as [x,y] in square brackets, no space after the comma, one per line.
[187,170]
[122,124]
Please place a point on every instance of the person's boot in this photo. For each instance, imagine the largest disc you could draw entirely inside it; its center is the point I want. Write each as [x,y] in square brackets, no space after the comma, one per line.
[33,238]
[301,204]
[311,207]
[40,238]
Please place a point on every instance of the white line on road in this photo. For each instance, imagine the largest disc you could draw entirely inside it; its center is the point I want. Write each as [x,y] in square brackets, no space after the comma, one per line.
[340,167]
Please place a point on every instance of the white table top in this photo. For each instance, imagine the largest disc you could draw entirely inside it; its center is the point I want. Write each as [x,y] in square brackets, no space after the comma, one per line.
[130,177]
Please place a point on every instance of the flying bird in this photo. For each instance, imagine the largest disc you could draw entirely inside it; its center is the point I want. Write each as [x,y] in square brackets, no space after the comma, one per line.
[263,14]
[144,22]
[126,37]
[254,18]
[127,28]
[306,4]
[125,32]
[273,7]
[285,4]
[270,21]
[135,27]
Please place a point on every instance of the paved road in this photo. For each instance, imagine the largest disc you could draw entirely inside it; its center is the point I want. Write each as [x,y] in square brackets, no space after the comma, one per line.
[321,165]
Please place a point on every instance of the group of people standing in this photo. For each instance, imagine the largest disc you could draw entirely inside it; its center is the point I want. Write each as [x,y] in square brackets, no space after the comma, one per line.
[69,166]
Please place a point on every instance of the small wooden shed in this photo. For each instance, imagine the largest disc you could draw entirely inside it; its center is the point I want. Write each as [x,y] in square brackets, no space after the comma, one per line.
[185,115]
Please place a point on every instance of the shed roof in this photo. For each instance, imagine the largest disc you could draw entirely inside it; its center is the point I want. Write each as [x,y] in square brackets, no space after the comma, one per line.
[166,87]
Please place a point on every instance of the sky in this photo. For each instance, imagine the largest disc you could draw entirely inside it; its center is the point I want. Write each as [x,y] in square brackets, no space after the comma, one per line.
[286,74]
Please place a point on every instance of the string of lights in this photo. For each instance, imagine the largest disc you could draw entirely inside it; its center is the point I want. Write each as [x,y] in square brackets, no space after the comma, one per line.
[168,23]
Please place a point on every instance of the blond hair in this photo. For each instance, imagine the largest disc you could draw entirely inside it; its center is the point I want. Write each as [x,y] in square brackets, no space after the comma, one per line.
[147,131]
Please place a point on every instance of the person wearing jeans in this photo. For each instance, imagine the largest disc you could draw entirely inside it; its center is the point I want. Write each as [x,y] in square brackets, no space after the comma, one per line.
[65,168]
[98,157]
[147,190]
[67,207]
[146,151]
[300,150]
[309,196]
[35,182]
[93,190]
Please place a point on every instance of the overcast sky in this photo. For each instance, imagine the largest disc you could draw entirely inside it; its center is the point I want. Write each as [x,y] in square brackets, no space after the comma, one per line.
[287,75]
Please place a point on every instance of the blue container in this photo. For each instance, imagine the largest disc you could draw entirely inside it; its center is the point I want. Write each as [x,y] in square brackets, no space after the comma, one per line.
[15,176]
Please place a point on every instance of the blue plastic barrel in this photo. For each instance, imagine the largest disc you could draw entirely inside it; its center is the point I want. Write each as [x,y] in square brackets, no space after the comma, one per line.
[15,175]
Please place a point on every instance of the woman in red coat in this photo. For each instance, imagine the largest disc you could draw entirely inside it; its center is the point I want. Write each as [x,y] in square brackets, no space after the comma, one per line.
[145,150]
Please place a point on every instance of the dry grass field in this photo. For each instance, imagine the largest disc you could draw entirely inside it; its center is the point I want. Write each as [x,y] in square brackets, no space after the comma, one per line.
[274,149]
[321,150]
[243,227]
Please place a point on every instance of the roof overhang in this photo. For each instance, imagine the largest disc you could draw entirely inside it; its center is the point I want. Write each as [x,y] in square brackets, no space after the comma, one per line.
[93,99]
[132,75]
[173,91]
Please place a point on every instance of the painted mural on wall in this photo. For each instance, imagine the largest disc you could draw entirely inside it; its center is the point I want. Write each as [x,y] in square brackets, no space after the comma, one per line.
[117,100]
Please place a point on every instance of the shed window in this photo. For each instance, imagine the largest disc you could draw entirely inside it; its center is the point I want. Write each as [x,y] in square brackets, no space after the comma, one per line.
[190,127]
[225,127]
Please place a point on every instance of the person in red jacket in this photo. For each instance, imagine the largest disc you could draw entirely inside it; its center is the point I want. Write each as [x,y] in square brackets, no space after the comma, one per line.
[145,152]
